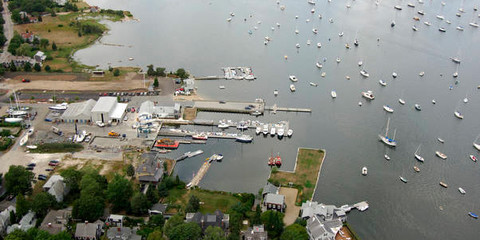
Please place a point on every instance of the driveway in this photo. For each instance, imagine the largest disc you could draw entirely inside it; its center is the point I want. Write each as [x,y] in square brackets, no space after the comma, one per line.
[292,211]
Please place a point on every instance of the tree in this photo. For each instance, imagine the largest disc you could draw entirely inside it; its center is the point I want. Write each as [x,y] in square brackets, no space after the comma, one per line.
[160,71]
[36,41]
[27,67]
[22,206]
[90,186]
[162,190]
[257,217]
[72,178]
[155,235]
[118,192]
[37,67]
[301,222]
[139,204]
[294,232]
[24,50]
[152,194]
[43,43]
[2,70]
[130,170]
[174,221]
[155,82]
[273,222]
[181,73]
[12,67]
[193,204]
[88,207]
[157,220]
[54,46]
[214,233]
[18,180]
[63,235]
[116,72]
[16,235]
[150,70]
[185,231]
[41,203]
[16,16]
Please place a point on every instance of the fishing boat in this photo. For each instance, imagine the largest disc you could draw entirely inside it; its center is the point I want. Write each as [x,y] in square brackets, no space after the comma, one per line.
[418,107]
[293,78]
[167,143]
[333,93]
[473,215]
[401,101]
[417,155]
[461,190]
[387,108]
[386,157]
[290,132]
[200,136]
[275,92]
[23,140]
[458,115]
[473,158]
[368,95]
[385,139]
[319,65]
[292,88]
[403,179]
[265,129]
[441,155]
[443,185]
[382,82]
[278,160]
[244,139]
[313,84]
[416,169]
[364,73]
[364,171]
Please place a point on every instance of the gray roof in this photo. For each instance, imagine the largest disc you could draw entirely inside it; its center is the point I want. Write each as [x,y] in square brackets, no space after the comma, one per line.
[85,230]
[151,170]
[55,220]
[218,219]
[158,207]
[257,232]
[81,110]
[105,104]
[315,228]
[51,181]
[122,233]
[274,199]
[319,229]
[58,190]
[149,108]
[269,188]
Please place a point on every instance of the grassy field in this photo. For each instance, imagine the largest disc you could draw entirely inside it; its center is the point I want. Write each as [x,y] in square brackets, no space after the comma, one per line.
[58,148]
[309,162]
[211,200]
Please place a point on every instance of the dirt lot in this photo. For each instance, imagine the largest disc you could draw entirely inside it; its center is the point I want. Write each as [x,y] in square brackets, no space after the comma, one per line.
[292,211]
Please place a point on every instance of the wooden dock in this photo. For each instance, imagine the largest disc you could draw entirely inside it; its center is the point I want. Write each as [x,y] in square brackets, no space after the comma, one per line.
[201,172]
[275,108]
[231,106]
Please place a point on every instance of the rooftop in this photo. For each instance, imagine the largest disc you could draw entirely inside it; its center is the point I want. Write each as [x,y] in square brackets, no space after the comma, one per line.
[105,104]
[274,198]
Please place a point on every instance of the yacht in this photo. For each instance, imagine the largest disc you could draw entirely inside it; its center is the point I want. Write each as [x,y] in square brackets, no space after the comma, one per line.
[458,115]
[293,78]
[401,101]
[368,95]
[417,156]
[292,88]
[333,93]
[364,73]
[385,139]
[461,190]
[417,107]
[441,155]
[387,108]
[382,82]
[364,171]
[62,106]
[244,139]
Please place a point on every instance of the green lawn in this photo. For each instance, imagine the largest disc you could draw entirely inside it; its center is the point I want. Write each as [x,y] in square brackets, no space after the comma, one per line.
[211,200]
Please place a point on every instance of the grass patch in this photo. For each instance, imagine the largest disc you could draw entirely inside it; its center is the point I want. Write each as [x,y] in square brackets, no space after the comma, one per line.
[58,148]
[309,162]
[213,200]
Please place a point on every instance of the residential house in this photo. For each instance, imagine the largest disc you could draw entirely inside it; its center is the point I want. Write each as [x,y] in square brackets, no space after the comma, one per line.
[158,208]
[56,220]
[115,220]
[326,212]
[189,85]
[40,57]
[257,232]
[56,187]
[27,222]
[94,9]
[269,188]
[28,36]
[18,61]
[123,233]
[32,19]
[150,170]
[318,229]
[5,219]
[274,202]
[89,231]
[218,219]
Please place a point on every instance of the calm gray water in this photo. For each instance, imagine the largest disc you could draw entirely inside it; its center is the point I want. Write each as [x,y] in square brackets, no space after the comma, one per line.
[195,35]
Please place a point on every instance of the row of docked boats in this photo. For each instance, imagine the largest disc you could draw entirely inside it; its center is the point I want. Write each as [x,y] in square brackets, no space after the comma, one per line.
[279,129]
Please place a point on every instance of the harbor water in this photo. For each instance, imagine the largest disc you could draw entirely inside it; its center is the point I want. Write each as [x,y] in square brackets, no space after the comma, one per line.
[196,35]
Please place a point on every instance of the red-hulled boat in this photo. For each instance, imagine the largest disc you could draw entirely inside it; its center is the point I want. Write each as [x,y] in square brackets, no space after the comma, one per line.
[167,143]
[278,160]
[271,161]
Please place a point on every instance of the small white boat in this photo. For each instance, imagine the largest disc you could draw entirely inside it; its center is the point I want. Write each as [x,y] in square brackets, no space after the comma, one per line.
[364,73]
[340,34]
[418,107]
[440,17]
[265,129]
[229,19]
[461,190]
[368,95]
[333,93]
[323,74]
[398,7]
[62,106]
[308,42]
[448,22]
[311,2]
[403,179]
[441,155]
[313,10]
[319,65]
[360,104]
[289,132]
[297,45]
[319,45]
[221,87]
[275,92]
[244,139]
[414,28]
[442,29]
[364,171]
[394,75]
[465,100]
[443,185]
[440,140]
[458,115]
[401,101]
[460,28]
[31,147]
[411,5]
[31,131]
[455,60]
[293,78]
[338,60]
[387,108]
[417,156]
[416,169]
[313,84]
[296,31]
[23,140]
[433,101]
[360,63]
[421,74]
[473,24]
[421,12]
[280,132]
[473,158]
[455,74]
[258,130]
[292,88]
[13,119]
[382,82]
[387,157]
[315,30]
[427,23]
[273,130]
[223,125]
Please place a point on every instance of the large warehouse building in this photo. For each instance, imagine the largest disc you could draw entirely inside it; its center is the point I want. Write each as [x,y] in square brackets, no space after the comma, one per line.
[79,112]
[105,110]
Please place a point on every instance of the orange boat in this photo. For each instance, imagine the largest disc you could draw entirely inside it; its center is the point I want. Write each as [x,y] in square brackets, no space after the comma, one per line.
[271,161]
[278,160]
[167,143]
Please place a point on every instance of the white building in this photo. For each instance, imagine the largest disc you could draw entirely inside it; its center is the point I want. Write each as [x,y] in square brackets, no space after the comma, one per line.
[149,110]
[108,110]
[79,112]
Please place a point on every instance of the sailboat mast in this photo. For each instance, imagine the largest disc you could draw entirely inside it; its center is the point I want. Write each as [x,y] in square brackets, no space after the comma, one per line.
[386,130]
[394,133]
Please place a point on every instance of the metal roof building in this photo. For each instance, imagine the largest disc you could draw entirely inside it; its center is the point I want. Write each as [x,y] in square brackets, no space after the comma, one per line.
[108,110]
[79,112]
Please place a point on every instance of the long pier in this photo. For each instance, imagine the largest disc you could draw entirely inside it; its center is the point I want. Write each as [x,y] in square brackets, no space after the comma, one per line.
[275,108]
[257,107]
[200,174]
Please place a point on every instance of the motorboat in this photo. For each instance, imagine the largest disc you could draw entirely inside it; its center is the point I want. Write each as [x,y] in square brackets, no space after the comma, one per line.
[473,215]
[280,132]
[319,65]
[315,30]
[242,125]
[461,190]
[278,160]
[455,74]
[200,136]
[387,140]
[401,101]
[416,169]
[417,155]
[421,74]
[392,24]
[443,185]
[258,130]
[360,104]
[273,130]
[398,7]
[271,160]
[244,139]
[360,63]
[440,140]
[340,34]
[433,101]
[387,108]
[387,157]
[448,22]
[265,129]
[59,107]
[441,155]
[364,171]
[311,2]
[275,92]
[223,125]
[460,28]
[347,46]
[293,78]
[319,45]
[394,75]
[403,179]
[297,45]
[473,158]
[382,82]
[368,95]
[411,5]
[290,132]
[440,17]
[418,107]
[313,84]
[473,24]
[421,12]
[414,28]
[355,42]
[442,29]
[309,42]
[364,73]
[312,10]
[455,60]
[296,31]
[427,23]
[333,94]
[292,88]
[338,60]
[458,115]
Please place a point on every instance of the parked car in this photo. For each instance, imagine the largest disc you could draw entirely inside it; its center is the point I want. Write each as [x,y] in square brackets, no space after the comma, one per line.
[53,163]
[31,165]
[25,80]
[42,177]
[29,168]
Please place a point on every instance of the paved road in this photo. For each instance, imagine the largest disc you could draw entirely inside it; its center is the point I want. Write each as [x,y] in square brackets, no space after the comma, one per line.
[7,30]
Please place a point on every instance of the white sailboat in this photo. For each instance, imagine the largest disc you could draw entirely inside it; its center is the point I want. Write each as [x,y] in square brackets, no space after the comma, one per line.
[385,139]
[417,156]
[475,144]
[23,140]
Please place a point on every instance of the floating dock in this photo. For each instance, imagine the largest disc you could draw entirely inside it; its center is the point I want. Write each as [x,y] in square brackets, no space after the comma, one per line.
[201,172]
[238,73]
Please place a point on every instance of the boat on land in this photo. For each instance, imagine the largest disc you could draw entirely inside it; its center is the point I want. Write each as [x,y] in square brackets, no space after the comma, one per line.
[293,78]
[473,158]
[403,179]
[441,155]
[417,155]
[385,139]
[461,190]
[167,143]
[416,169]
[13,119]
[443,185]
[473,215]
[364,171]
[31,147]
[387,108]
[30,131]
[23,140]
[364,73]
[81,136]
[59,107]
[458,115]
[244,139]
[368,95]
[292,88]
[333,93]
[418,107]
